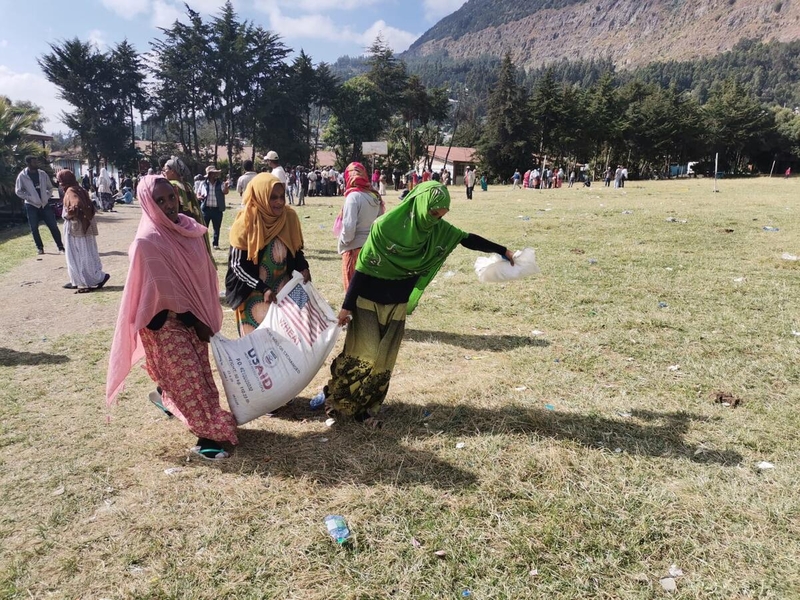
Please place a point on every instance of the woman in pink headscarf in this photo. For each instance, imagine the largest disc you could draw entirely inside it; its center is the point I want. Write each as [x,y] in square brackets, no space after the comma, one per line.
[170,309]
[362,205]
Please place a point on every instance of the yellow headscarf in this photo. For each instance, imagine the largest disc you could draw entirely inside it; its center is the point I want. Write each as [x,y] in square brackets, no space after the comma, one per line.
[256,225]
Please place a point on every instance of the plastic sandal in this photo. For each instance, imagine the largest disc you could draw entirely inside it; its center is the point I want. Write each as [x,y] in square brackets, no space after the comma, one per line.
[210,453]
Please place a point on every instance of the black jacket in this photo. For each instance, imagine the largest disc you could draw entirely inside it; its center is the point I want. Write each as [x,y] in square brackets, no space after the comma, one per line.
[242,276]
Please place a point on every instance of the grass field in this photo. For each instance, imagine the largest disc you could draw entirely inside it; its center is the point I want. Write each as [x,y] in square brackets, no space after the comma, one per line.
[594,456]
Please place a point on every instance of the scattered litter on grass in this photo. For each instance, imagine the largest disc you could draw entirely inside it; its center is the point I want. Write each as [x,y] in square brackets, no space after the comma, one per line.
[673,368]
[592,261]
[727,230]
[58,491]
[795,333]
[630,359]
[415,542]
[520,388]
[323,440]
[460,445]
[617,450]
[28,283]
[675,220]
[627,212]
[330,422]
[669,585]
[663,305]
[668,268]
[578,251]
[768,228]
[625,415]
[468,357]
[135,569]
[557,360]
[533,572]
[738,280]
[640,578]
[674,571]
[337,528]
[172,470]
[764,465]
[787,256]
[524,217]
[466,594]
[322,226]
[725,399]
[449,273]
[536,332]
[549,407]
[440,554]
[426,414]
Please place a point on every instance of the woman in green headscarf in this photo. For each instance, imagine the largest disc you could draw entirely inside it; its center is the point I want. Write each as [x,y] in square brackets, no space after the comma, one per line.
[405,249]
[180,176]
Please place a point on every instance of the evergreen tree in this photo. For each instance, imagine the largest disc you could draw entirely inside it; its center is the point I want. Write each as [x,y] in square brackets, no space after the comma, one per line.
[505,143]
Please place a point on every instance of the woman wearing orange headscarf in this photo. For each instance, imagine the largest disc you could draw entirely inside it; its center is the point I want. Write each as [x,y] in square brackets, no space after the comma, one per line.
[266,246]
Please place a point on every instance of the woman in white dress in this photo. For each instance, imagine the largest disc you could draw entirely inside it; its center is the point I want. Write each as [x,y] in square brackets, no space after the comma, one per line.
[80,236]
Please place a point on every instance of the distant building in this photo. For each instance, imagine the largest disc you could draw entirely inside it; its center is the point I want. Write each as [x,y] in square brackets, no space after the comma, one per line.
[457,161]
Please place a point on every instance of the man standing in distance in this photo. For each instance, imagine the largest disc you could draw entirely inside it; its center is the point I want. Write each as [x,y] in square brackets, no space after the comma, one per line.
[277,170]
[469,181]
[34,187]
[212,194]
[249,173]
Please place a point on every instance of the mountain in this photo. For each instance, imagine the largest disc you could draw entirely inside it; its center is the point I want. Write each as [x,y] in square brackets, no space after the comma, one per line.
[628,33]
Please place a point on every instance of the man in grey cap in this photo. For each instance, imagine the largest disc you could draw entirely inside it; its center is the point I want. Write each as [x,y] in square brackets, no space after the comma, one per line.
[277,170]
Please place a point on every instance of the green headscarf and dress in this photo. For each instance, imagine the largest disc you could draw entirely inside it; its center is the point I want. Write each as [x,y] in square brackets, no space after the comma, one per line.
[405,249]
[190,205]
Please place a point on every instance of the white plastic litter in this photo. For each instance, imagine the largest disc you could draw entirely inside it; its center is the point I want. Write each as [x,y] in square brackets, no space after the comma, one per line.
[265,369]
[495,269]
[764,465]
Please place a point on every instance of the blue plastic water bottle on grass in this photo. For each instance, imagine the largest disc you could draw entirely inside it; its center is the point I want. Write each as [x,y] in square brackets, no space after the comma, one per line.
[337,528]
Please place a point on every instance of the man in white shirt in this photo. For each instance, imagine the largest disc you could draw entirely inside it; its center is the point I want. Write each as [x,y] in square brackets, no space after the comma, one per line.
[34,187]
[277,170]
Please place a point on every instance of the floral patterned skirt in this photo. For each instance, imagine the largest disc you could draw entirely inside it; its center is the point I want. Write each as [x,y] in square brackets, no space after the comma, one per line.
[177,360]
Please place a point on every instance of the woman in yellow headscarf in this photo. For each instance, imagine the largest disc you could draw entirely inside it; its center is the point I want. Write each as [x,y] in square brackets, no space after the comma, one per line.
[266,246]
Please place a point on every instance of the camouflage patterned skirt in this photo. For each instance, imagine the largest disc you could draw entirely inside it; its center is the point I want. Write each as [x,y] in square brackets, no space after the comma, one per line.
[360,374]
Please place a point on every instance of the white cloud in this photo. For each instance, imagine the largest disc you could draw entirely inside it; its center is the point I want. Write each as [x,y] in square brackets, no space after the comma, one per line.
[98,39]
[436,9]
[3,43]
[397,39]
[127,9]
[321,27]
[316,26]
[36,89]
[165,14]
[319,5]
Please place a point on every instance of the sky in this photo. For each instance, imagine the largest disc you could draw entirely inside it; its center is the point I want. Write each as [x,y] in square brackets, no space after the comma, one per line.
[325,29]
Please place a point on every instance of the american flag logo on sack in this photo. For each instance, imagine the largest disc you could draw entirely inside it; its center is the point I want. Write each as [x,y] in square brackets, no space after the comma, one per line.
[307,320]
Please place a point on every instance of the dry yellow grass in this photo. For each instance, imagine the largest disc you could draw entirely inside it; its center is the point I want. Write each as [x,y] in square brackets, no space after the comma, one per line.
[635,468]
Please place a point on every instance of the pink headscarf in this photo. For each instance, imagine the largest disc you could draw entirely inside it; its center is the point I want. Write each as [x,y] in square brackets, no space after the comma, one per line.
[170,270]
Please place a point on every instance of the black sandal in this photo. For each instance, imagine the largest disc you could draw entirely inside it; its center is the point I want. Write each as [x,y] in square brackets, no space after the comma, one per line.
[102,283]
[83,290]
[69,286]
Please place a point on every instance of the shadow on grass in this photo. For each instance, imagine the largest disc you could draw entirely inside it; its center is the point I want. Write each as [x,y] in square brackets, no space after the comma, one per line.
[114,253]
[351,453]
[311,256]
[474,341]
[15,358]
[109,288]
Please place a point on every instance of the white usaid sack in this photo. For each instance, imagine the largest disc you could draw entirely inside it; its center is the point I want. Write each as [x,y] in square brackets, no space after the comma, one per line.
[265,369]
[495,268]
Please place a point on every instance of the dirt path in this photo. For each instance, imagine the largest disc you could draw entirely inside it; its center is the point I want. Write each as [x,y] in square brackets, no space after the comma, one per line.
[36,308]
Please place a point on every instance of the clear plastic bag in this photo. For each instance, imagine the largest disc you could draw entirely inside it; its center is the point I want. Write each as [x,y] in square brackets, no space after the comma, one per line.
[495,269]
